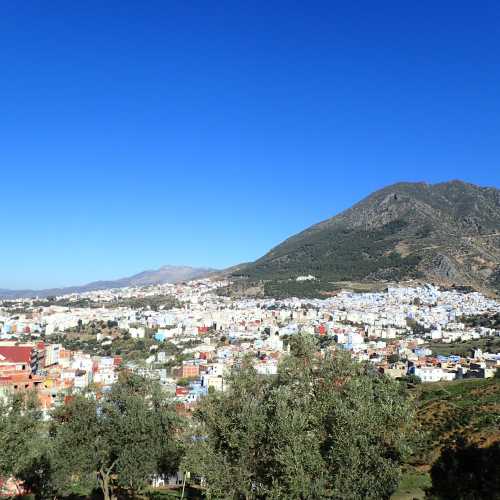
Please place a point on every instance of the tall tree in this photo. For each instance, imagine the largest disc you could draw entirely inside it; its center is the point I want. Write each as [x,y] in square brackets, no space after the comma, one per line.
[116,440]
[324,427]
[23,443]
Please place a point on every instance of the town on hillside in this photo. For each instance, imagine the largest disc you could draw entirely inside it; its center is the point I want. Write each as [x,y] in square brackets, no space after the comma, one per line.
[188,337]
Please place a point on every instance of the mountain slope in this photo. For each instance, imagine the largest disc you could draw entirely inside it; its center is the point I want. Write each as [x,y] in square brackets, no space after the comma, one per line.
[165,274]
[448,233]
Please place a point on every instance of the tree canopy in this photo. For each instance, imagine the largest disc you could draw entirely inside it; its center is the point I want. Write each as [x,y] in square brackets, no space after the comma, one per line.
[23,452]
[323,427]
[118,440]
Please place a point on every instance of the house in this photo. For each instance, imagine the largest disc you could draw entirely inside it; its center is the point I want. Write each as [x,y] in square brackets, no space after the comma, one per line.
[432,373]
[189,370]
[24,357]
[137,333]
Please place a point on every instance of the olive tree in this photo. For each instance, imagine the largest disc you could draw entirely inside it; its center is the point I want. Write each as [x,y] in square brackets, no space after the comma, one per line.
[24,454]
[119,439]
[323,427]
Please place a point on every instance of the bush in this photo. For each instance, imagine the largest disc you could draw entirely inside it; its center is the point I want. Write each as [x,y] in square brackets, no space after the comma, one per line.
[465,471]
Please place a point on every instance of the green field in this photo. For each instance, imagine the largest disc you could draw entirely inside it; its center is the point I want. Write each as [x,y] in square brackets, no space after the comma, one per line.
[413,485]
[490,344]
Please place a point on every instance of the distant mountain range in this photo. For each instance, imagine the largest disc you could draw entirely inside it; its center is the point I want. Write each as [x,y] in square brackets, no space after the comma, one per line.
[446,233]
[165,274]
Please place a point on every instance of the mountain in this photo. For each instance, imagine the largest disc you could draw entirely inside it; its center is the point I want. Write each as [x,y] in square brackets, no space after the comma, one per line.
[165,274]
[447,233]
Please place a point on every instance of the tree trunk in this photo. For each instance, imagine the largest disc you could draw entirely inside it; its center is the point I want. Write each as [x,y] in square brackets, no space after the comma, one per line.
[104,479]
[104,484]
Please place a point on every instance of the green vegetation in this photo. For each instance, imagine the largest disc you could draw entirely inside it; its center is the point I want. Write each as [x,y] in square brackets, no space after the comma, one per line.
[166,494]
[485,320]
[309,289]
[468,407]
[184,382]
[404,231]
[338,254]
[129,349]
[393,358]
[495,280]
[322,428]
[84,338]
[23,454]
[52,301]
[465,471]
[113,441]
[290,287]
[489,344]
[154,302]
[411,380]
[447,414]
[413,485]
[123,438]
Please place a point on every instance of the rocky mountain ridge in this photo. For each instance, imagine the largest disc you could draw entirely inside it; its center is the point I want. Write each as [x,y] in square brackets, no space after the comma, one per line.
[447,233]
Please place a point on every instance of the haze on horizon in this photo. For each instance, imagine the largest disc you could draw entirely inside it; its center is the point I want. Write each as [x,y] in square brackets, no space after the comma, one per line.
[135,135]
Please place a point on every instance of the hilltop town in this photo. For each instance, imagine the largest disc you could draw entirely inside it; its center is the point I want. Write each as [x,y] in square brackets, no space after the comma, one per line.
[250,251]
[188,336]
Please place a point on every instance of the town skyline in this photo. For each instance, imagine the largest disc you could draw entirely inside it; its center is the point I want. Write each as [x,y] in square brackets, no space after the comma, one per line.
[193,345]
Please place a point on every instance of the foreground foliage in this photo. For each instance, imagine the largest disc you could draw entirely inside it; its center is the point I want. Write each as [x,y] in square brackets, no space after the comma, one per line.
[465,471]
[112,441]
[324,427]
[122,438]
[23,451]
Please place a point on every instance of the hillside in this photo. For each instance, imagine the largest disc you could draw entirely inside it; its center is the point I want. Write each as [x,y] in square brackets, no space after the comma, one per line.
[469,407]
[165,274]
[446,233]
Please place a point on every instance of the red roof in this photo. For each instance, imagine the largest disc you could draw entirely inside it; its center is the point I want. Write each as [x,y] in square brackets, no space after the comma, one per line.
[16,354]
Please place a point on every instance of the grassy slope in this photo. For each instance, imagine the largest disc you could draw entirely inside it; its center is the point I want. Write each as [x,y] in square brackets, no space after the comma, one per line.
[468,407]
[413,485]
[464,348]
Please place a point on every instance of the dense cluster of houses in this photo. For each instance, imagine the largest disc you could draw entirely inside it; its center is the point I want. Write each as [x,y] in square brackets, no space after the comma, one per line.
[51,370]
[214,333]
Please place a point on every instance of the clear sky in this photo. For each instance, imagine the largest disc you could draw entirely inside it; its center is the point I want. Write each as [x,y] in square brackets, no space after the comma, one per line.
[135,134]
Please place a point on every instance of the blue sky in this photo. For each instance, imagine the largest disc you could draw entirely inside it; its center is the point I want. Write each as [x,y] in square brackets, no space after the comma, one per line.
[136,134]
